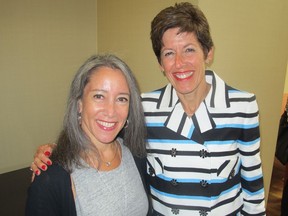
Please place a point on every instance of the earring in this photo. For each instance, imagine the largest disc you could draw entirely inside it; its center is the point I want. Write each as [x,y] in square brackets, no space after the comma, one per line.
[163,72]
[79,117]
[126,124]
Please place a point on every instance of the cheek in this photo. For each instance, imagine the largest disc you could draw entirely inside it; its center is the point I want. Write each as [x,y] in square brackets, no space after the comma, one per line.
[166,65]
[169,77]
[89,109]
[123,113]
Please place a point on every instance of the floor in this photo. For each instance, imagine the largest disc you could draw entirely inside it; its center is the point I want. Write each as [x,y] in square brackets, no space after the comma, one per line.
[276,187]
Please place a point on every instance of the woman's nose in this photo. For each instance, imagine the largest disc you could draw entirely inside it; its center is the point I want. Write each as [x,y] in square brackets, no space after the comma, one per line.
[109,108]
[178,60]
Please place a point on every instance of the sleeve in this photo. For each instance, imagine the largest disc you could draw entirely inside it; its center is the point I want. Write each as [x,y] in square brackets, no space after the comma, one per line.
[51,194]
[142,166]
[251,169]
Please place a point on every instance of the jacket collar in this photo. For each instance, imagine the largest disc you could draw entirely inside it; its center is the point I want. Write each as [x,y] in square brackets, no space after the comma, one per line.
[179,122]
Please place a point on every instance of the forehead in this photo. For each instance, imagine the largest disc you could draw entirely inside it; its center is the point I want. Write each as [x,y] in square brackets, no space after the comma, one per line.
[107,78]
[174,33]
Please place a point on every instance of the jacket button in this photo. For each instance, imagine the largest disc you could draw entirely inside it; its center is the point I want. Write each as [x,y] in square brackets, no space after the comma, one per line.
[203,153]
[204,183]
[174,182]
[175,211]
[203,213]
[173,152]
[151,171]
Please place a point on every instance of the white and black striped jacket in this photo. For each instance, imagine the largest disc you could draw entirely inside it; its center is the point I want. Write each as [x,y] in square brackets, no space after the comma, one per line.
[208,164]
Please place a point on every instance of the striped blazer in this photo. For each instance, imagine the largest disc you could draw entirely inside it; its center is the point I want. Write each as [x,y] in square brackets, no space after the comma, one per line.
[207,164]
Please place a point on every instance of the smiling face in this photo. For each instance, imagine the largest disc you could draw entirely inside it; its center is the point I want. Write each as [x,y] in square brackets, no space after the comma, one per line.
[183,60]
[104,105]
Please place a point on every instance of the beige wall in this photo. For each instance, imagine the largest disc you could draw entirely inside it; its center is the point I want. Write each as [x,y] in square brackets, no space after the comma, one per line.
[42,44]
[124,28]
[251,53]
[286,81]
[251,50]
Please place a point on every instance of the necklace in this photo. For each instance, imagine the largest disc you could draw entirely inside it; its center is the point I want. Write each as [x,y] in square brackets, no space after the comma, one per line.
[116,174]
[108,163]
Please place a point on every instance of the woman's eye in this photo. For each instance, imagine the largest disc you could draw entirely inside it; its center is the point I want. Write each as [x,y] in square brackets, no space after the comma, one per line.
[166,54]
[123,99]
[190,50]
[98,96]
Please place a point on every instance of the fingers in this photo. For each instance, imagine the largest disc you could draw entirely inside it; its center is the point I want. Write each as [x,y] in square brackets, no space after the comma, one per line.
[47,149]
[42,154]
[35,170]
[41,164]
[41,159]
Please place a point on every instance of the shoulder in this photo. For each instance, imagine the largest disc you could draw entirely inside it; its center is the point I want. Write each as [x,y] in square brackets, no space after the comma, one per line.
[50,193]
[53,181]
[223,95]
[157,100]
[153,94]
[55,175]
[54,170]
[239,98]
[212,77]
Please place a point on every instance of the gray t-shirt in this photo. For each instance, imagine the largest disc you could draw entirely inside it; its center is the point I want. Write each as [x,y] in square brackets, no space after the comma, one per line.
[116,192]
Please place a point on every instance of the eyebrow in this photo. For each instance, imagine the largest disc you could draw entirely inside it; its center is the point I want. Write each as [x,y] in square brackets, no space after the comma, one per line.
[102,90]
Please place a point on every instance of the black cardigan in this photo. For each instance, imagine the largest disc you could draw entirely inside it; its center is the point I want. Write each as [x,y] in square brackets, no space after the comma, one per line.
[54,188]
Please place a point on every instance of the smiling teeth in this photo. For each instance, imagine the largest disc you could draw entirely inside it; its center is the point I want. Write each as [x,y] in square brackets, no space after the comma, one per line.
[106,124]
[183,75]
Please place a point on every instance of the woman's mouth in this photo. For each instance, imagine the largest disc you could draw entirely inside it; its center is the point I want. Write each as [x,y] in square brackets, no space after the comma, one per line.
[106,124]
[182,75]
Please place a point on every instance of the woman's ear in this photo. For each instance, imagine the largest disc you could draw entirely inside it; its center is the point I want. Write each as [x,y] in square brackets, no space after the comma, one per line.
[80,106]
[210,56]
[162,69]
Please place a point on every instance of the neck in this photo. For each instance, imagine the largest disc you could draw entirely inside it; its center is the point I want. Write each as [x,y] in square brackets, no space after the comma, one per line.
[105,158]
[192,101]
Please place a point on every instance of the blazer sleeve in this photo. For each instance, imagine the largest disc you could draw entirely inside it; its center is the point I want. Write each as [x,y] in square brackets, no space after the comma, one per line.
[141,164]
[51,194]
